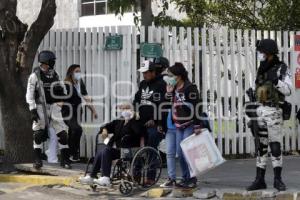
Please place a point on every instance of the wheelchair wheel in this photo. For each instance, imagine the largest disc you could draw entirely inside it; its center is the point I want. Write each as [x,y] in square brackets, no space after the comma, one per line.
[146,167]
[89,165]
[120,171]
[125,188]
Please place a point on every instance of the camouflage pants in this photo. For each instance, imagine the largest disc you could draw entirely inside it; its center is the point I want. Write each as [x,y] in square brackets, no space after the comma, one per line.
[270,134]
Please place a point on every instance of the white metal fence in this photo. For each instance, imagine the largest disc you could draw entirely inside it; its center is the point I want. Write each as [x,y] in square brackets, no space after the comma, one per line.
[221,62]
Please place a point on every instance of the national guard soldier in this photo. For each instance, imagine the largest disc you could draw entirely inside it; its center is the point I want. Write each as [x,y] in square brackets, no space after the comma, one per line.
[273,83]
[44,96]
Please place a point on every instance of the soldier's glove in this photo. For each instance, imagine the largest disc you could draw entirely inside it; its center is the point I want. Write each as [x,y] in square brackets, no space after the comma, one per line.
[273,76]
[34,115]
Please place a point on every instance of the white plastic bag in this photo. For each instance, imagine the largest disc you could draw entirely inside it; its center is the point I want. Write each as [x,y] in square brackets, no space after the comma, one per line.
[201,153]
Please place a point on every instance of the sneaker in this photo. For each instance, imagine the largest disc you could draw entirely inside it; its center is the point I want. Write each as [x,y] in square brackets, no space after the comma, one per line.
[86,180]
[103,181]
[75,158]
[188,184]
[169,183]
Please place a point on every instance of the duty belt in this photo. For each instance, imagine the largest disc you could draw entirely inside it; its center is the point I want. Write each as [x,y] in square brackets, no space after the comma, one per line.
[271,104]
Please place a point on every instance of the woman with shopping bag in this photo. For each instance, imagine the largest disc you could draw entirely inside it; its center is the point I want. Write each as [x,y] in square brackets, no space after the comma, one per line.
[186,106]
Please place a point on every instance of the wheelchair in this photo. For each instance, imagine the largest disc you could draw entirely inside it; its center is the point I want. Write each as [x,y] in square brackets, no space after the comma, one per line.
[132,169]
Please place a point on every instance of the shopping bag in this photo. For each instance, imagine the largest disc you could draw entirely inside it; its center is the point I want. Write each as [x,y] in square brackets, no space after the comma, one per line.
[201,153]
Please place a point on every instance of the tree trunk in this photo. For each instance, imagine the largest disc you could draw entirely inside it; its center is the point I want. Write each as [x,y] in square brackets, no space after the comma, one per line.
[17,52]
[146,12]
[16,123]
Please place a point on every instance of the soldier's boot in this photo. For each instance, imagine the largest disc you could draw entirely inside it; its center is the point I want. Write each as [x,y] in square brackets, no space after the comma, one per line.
[278,184]
[38,163]
[259,182]
[65,161]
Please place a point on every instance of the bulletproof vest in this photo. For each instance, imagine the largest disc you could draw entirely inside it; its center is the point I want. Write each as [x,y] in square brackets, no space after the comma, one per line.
[49,80]
[266,92]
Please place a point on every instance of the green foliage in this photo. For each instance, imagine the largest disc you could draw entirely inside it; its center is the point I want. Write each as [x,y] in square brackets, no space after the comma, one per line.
[238,14]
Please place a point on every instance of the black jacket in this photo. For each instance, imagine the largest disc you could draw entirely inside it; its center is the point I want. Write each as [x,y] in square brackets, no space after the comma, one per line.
[149,94]
[74,99]
[189,100]
[125,135]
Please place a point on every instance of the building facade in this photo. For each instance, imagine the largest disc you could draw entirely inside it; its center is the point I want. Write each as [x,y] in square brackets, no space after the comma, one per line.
[84,13]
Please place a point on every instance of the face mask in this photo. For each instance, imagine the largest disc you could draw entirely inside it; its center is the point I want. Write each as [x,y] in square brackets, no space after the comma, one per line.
[51,64]
[127,114]
[77,76]
[170,80]
[261,57]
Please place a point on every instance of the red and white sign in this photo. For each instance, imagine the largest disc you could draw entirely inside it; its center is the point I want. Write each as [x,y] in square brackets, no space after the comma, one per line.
[297,78]
[297,42]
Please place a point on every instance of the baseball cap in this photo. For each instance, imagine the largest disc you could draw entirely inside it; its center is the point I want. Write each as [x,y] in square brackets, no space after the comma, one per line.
[147,65]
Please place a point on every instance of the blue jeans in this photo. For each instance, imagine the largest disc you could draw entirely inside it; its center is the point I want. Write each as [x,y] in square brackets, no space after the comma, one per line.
[181,134]
[171,142]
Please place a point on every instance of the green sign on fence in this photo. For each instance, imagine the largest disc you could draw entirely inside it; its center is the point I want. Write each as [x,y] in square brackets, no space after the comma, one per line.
[151,50]
[114,42]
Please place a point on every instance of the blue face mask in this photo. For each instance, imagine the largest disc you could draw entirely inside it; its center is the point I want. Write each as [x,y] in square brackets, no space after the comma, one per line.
[77,76]
[170,80]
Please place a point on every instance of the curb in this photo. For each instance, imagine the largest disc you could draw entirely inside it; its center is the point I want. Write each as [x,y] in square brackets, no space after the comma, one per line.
[38,179]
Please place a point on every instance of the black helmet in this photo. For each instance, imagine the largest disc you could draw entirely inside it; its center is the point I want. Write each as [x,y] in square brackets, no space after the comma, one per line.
[267,46]
[47,57]
[161,63]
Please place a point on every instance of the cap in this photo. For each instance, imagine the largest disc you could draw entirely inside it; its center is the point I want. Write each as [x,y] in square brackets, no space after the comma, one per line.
[147,66]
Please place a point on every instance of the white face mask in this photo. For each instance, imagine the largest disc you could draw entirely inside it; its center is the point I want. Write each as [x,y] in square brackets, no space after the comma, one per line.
[127,114]
[77,76]
[261,57]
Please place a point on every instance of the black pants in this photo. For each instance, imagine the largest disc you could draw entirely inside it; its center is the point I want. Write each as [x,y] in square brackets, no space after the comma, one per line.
[103,160]
[75,132]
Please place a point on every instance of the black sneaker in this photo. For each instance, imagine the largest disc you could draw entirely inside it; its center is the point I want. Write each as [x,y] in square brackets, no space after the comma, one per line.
[75,158]
[188,184]
[169,183]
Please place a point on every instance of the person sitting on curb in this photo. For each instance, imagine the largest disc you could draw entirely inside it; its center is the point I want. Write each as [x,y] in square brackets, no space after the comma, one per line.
[127,133]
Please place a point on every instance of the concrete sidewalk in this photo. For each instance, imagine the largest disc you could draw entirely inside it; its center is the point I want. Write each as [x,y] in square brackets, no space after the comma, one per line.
[225,182]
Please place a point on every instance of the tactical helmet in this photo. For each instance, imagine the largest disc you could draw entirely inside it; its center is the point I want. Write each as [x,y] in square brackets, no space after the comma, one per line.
[161,63]
[47,57]
[268,46]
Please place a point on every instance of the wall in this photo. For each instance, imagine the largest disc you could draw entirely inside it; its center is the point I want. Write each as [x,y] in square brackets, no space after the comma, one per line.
[67,12]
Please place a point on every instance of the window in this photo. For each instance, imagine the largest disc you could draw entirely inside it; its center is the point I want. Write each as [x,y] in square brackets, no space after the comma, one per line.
[93,7]
[100,8]
[87,9]
[96,7]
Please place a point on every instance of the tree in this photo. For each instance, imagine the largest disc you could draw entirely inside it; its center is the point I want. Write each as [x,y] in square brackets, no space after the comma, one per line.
[18,47]
[238,14]
[121,6]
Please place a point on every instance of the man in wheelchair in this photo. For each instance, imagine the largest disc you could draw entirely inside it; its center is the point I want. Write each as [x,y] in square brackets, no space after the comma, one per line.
[127,133]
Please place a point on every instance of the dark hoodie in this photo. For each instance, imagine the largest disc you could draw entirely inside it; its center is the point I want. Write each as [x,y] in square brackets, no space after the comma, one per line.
[148,98]
[186,110]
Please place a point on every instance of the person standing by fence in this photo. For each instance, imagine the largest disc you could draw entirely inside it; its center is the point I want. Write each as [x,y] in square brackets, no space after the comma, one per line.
[273,83]
[146,102]
[72,110]
[186,110]
[45,97]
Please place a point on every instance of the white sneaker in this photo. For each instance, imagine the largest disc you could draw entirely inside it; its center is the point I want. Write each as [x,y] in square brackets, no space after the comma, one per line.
[86,180]
[103,181]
